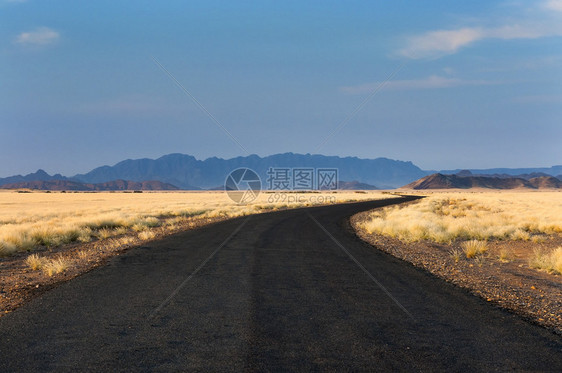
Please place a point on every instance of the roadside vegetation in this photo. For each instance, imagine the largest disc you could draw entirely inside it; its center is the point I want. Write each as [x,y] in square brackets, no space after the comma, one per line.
[468,221]
[38,219]
[446,218]
[550,261]
[504,246]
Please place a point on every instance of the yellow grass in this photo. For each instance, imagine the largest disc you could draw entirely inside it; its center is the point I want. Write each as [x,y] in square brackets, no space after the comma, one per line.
[548,261]
[54,266]
[35,262]
[146,235]
[473,248]
[28,220]
[505,255]
[447,217]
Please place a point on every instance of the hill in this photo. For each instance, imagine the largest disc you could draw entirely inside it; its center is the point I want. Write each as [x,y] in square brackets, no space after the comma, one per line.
[510,172]
[78,186]
[440,181]
[186,171]
[355,185]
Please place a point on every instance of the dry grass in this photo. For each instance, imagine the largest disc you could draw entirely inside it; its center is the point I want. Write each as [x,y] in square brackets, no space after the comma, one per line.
[48,266]
[506,256]
[474,248]
[55,266]
[35,262]
[146,235]
[29,220]
[456,254]
[548,261]
[446,217]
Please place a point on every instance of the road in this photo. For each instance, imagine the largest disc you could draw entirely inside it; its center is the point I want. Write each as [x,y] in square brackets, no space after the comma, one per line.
[294,290]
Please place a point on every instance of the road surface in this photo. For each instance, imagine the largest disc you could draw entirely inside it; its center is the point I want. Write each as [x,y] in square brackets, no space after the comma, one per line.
[286,291]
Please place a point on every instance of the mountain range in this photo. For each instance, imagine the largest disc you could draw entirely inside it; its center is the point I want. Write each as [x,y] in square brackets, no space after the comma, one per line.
[457,181]
[187,172]
[78,186]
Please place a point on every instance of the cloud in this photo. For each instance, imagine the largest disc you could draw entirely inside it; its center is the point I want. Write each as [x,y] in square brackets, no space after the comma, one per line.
[39,36]
[438,43]
[431,82]
[553,5]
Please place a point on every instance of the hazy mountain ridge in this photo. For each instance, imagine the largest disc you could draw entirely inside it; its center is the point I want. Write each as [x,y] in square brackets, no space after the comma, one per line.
[187,172]
[355,185]
[78,186]
[441,181]
[39,175]
[509,172]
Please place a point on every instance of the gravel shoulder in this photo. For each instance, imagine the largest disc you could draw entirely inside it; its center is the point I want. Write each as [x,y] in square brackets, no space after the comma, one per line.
[19,283]
[510,284]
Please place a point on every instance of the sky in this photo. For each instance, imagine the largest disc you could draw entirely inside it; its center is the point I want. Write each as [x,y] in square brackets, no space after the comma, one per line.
[446,85]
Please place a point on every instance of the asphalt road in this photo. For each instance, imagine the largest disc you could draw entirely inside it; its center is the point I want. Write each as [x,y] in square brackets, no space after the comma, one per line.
[286,291]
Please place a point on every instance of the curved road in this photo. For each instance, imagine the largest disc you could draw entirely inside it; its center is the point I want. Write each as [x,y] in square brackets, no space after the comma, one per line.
[285,291]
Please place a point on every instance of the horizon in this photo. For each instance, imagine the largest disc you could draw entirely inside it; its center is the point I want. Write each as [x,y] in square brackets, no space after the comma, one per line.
[52,173]
[464,85]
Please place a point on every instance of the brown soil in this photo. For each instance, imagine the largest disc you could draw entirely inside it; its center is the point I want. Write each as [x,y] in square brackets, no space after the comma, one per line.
[509,283]
[19,283]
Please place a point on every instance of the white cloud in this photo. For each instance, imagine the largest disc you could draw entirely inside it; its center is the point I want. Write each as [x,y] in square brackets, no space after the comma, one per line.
[437,43]
[553,5]
[39,36]
[442,42]
[431,82]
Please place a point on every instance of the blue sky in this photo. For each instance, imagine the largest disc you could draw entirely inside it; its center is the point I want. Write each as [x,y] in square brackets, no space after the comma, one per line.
[476,84]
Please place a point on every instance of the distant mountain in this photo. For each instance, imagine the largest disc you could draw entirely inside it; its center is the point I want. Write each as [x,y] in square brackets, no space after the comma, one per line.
[530,176]
[78,186]
[440,181]
[512,172]
[355,185]
[40,175]
[187,172]
[546,182]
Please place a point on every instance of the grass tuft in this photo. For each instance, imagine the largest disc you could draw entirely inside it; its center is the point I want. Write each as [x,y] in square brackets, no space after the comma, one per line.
[548,261]
[55,266]
[7,248]
[105,233]
[505,256]
[474,248]
[456,254]
[146,235]
[35,262]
